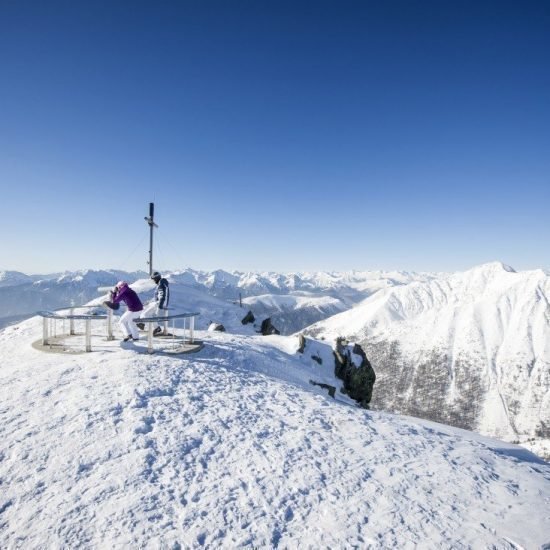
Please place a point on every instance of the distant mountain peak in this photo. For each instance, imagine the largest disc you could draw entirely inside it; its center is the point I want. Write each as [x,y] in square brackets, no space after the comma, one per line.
[11,278]
[492,267]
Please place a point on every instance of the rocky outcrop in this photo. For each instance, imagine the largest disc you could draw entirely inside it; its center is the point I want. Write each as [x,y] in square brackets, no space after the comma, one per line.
[354,369]
[248,318]
[216,327]
[301,343]
[331,389]
[267,328]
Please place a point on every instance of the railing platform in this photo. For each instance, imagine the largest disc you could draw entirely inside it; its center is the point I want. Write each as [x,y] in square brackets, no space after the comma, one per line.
[51,315]
[187,345]
[54,342]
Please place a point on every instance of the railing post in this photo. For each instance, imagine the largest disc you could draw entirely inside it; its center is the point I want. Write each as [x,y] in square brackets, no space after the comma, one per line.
[165,323]
[110,324]
[150,338]
[192,329]
[71,322]
[88,335]
[45,321]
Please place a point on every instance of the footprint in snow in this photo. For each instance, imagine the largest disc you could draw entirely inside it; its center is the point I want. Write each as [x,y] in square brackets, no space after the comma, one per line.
[146,426]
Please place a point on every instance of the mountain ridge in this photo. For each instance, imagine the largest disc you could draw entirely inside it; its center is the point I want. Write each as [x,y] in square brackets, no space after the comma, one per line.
[487,327]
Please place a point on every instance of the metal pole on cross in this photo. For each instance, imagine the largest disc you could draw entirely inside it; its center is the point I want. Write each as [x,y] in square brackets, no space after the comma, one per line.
[151,221]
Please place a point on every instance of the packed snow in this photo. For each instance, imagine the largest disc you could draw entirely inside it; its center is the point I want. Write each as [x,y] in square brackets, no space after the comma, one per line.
[234,447]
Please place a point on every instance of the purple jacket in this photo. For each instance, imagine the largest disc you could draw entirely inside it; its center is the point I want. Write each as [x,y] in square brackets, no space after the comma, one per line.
[129,297]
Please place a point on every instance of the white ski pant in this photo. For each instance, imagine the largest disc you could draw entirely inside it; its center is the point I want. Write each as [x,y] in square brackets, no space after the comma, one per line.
[153,310]
[127,323]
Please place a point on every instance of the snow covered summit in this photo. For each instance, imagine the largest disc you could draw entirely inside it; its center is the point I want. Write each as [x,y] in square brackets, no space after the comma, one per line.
[233,447]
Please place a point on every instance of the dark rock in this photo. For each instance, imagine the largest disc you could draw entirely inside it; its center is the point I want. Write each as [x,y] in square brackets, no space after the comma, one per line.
[358,350]
[302,343]
[216,327]
[317,359]
[331,389]
[358,380]
[248,318]
[267,328]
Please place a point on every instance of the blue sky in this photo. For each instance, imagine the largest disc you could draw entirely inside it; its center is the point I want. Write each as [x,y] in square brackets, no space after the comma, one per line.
[275,135]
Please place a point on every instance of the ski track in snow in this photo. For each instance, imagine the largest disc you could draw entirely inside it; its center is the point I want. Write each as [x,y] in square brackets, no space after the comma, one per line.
[117,449]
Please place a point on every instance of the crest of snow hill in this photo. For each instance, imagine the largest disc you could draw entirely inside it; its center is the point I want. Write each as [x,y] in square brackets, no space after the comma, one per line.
[469,349]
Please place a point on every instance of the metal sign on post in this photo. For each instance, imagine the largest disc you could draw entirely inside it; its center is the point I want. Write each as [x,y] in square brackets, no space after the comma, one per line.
[151,221]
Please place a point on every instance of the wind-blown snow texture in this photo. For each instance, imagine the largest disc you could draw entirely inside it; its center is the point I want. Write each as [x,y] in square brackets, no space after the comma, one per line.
[470,349]
[233,447]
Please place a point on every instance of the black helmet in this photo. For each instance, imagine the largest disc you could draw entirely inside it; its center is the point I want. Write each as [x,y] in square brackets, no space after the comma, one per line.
[156,277]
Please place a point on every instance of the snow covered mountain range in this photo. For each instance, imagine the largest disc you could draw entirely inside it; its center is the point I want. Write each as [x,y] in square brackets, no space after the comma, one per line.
[233,447]
[469,349]
[314,295]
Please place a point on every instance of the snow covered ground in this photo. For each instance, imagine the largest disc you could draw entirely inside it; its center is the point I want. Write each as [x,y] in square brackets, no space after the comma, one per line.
[233,447]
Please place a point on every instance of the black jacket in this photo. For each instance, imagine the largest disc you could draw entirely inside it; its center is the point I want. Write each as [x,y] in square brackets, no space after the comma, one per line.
[162,293]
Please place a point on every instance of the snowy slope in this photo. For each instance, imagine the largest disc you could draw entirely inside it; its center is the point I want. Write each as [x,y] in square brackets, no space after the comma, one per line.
[292,312]
[471,349]
[232,447]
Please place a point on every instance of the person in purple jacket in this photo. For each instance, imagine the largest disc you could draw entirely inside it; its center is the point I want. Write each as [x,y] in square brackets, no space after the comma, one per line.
[123,293]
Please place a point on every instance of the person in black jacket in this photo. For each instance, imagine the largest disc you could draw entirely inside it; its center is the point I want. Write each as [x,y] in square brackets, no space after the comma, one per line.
[160,304]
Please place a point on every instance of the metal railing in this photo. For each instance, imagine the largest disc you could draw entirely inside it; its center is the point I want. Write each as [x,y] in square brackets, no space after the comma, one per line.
[164,319]
[72,317]
[50,316]
[49,328]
